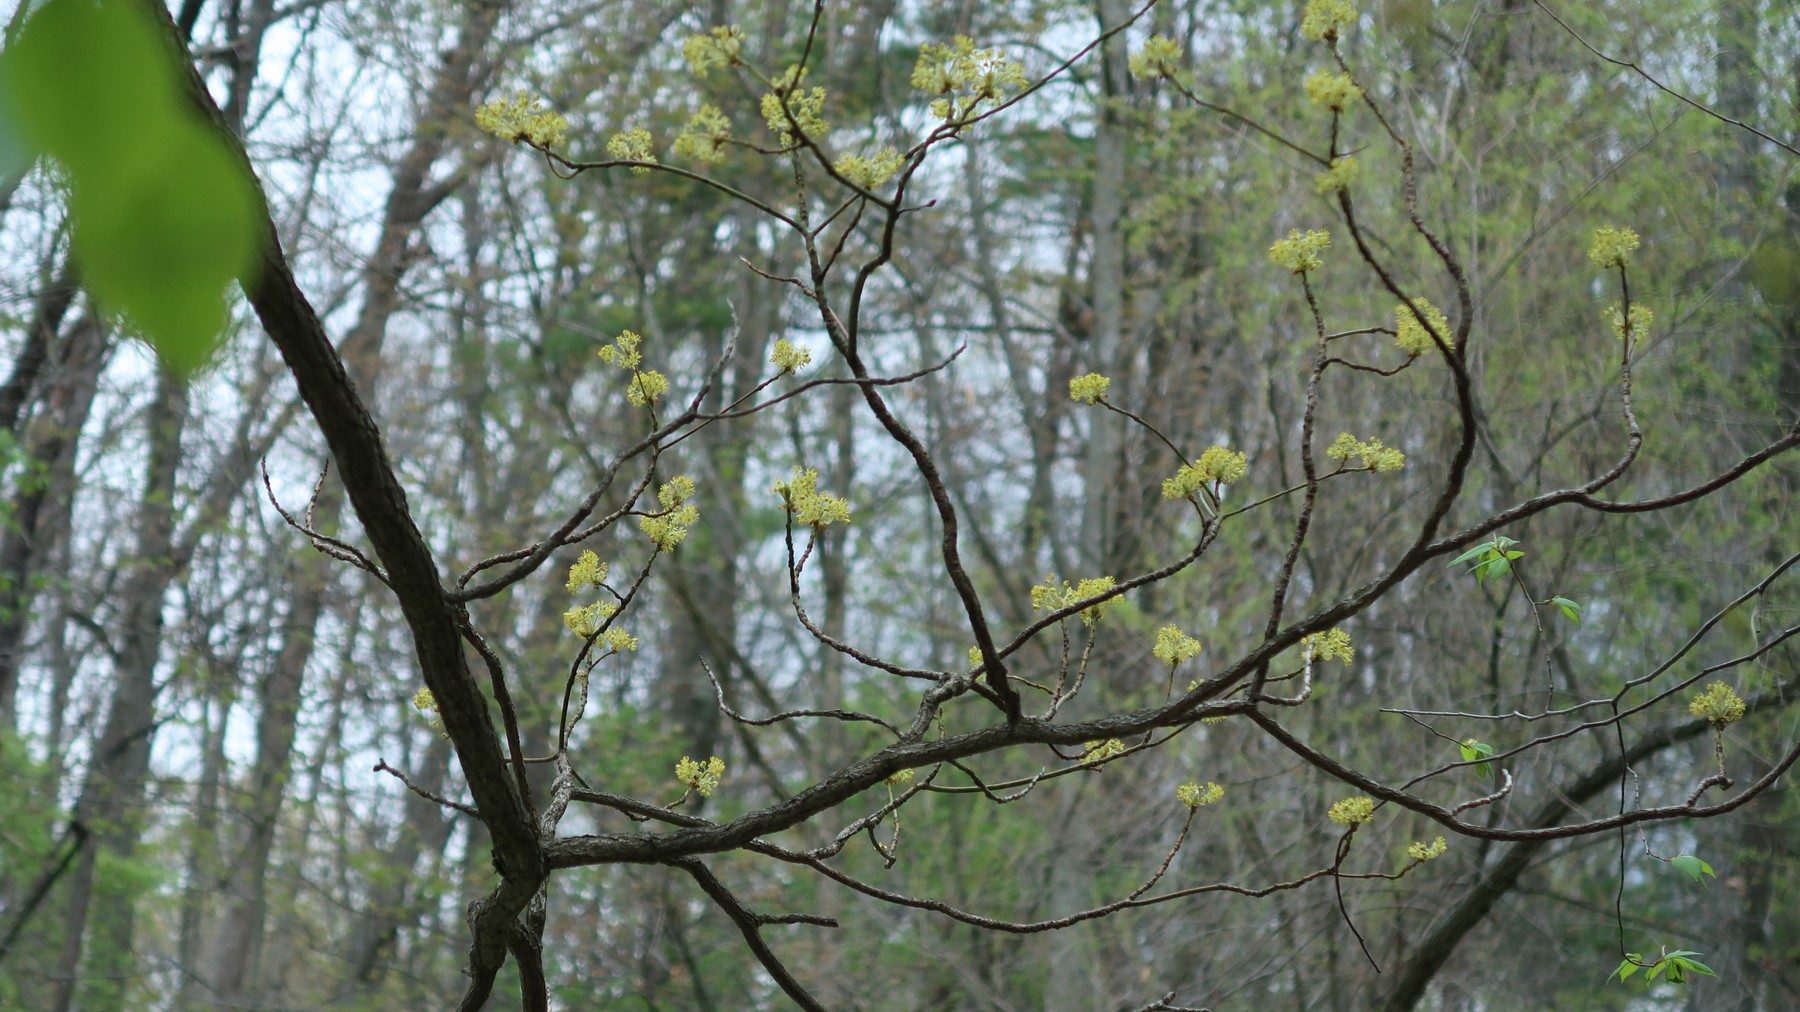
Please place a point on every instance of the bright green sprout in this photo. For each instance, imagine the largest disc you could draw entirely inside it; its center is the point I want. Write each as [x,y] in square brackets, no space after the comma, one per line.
[1720,704]
[1089,388]
[1193,795]
[1300,253]
[701,778]
[1472,749]
[1352,811]
[1490,558]
[1174,646]
[1160,57]
[521,119]
[1612,247]
[1339,177]
[1374,456]
[1642,319]
[1674,965]
[719,47]
[705,137]
[1330,645]
[1410,323]
[1325,20]
[1423,852]
[800,496]
[789,358]
[1331,89]
[871,172]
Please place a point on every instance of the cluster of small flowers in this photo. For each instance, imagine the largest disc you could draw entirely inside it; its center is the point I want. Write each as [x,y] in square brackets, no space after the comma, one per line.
[719,47]
[901,779]
[1720,704]
[520,119]
[1095,751]
[1325,20]
[1160,57]
[585,620]
[705,136]
[800,496]
[1642,319]
[790,107]
[1352,811]
[963,77]
[647,386]
[1194,795]
[1374,456]
[669,528]
[1089,388]
[788,357]
[1330,645]
[1217,464]
[1332,89]
[870,172]
[1339,177]
[632,146]
[588,571]
[1048,596]
[1612,247]
[1423,852]
[1300,252]
[1174,646]
[702,778]
[425,702]
[1410,323]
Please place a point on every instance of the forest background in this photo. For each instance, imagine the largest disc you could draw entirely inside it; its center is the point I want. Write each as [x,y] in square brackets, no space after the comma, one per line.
[209,728]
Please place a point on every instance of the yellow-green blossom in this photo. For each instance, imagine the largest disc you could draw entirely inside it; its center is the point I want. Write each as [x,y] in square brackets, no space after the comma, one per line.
[976,658]
[1095,751]
[789,358]
[1332,89]
[623,351]
[1174,646]
[619,639]
[646,387]
[1374,456]
[1424,852]
[1193,795]
[719,47]
[1216,464]
[670,526]
[805,106]
[1160,57]
[800,496]
[1300,252]
[632,146]
[585,620]
[1720,704]
[702,778]
[705,137]
[901,778]
[964,76]
[1325,20]
[1642,319]
[588,571]
[871,172]
[1352,811]
[521,119]
[1049,596]
[1410,323]
[1330,645]
[1339,177]
[1089,388]
[423,700]
[1612,247]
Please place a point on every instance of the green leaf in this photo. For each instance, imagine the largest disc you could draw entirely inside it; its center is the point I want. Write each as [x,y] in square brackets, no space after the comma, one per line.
[1693,868]
[1472,750]
[1627,966]
[1470,554]
[1698,967]
[1569,608]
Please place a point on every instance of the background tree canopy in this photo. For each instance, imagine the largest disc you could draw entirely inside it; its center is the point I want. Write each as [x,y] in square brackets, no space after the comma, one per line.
[899,505]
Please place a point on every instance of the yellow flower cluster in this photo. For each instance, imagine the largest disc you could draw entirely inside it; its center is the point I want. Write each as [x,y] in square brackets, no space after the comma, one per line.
[1300,252]
[670,526]
[521,119]
[1193,795]
[1216,464]
[962,77]
[805,106]
[1612,247]
[1160,57]
[1642,319]
[1095,751]
[1048,596]
[585,620]
[800,496]
[901,779]
[588,571]
[1720,704]
[1374,456]
[789,358]
[1325,20]
[705,136]
[425,702]
[1423,852]
[1352,811]
[870,172]
[1330,645]
[1410,323]
[1339,177]
[702,778]
[1174,646]
[1089,388]
[647,386]
[1331,89]
[632,146]
[976,658]
[623,351]
[719,47]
